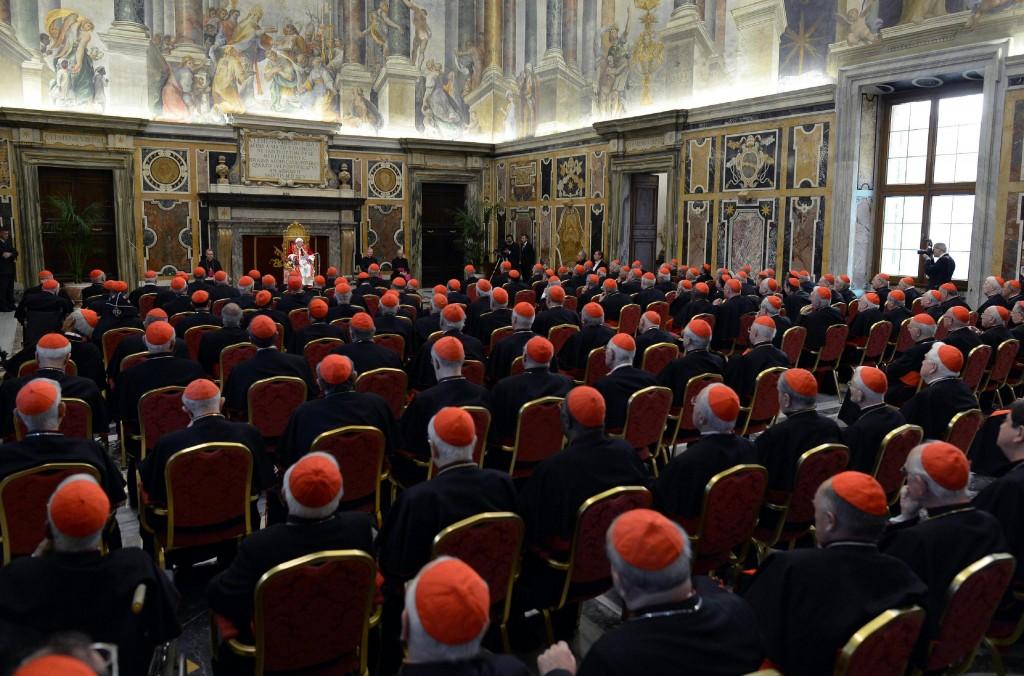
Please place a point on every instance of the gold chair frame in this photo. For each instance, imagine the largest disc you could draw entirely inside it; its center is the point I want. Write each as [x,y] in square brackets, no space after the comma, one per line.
[971,412]
[879,623]
[19,426]
[141,436]
[747,411]
[274,379]
[698,535]
[586,369]
[659,447]
[712,378]
[220,358]
[70,368]
[432,468]
[883,447]
[198,328]
[127,331]
[643,359]
[521,434]
[359,429]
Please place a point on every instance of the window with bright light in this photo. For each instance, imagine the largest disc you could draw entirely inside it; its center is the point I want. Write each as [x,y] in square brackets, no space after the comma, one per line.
[928,165]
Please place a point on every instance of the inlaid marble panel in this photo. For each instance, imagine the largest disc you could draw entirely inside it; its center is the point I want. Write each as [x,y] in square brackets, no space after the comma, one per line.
[386,231]
[1012,235]
[571,235]
[501,181]
[523,181]
[698,218]
[167,235]
[598,169]
[748,232]
[699,165]
[808,155]
[805,228]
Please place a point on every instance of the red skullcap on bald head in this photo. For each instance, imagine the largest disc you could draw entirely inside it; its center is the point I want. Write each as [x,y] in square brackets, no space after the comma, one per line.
[802,382]
[862,492]
[624,341]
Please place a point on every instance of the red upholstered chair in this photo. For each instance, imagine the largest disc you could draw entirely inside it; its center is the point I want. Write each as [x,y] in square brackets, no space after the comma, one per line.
[658,356]
[841,308]
[793,343]
[393,342]
[892,454]
[497,336]
[1004,632]
[23,499]
[571,303]
[901,341]
[482,422]
[471,292]
[113,338]
[76,423]
[491,544]
[218,306]
[873,350]
[915,306]
[279,339]
[474,371]
[525,296]
[586,572]
[538,435]
[794,510]
[270,403]
[742,339]
[317,349]
[883,646]
[359,450]
[1004,360]
[133,359]
[312,615]
[194,335]
[146,303]
[732,501]
[208,498]
[298,318]
[827,359]
[683,432]
[971,602]
[974,368]
[670,296]
[646,418]
[629,319]
[31,366]
[177,317]
[160,412]
[409,312]
[962,428]
[372,302]
[391,384]
[662,308]
[596,367]
[231,356]
[764,404]
[560,335]
[342,323]
[942,329]
[517,366]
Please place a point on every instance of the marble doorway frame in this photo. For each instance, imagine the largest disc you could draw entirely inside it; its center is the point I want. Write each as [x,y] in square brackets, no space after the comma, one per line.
[621,169]
[29,233]
[852,137]
[473,179]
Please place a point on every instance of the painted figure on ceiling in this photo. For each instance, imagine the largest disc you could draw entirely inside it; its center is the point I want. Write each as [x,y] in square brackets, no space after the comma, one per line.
[442,110]
[378,23]
[229,77]
[860,28]
[70,34]
[283,75]
[613,72]
[916,11]
[526,111]
[319,88]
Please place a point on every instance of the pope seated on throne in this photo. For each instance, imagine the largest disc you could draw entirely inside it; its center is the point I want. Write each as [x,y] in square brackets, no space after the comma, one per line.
[301,258]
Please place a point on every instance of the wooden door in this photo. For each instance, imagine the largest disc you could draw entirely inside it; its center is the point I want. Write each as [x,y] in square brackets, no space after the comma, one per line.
[442,257]
[85,186]
[643,201]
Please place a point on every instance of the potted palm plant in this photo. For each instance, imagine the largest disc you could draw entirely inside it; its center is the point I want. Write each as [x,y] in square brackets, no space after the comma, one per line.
[474,222]
[72,228]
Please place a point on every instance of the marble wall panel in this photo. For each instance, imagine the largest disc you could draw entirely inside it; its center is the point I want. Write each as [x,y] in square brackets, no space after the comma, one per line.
[167,235]
[544,235]
[750,161]
[385,230]
[598,169]
[545,178]
[804,230]
[700,166]
[523,181]
[596,227]
[501,181]
[523,222]
[698,218]
[571,235]
[1012,235]
[572,177]
[808,155]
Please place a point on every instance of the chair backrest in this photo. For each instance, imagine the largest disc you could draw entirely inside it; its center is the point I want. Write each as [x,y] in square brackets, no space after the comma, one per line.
[707,317]
[490,544]
[517,366]
[474,371]
[218,306]
[178,317]
[658,356]
[342,323]
[732,501]
[76,423]
[570,303]
[482,422]
[146,303]
[1005,358]
[317,349]
[497,336]
[764,404]
[314,611]
[23,499]
[892,454]
[359,450]
[391,384]
[971,601]
[298,318]
[662,308]
[812,469]
[538,431]
[840,307]
[393,342]
[629,318]
[743,334]
[233,355]
[113,337]
[410,312]
[372,303]
[160,412]
[904,340]
[209,488]
[559,335]
[133,359]
[40,322]
[471,292]
[883,646]
[962,428]
[793,343]
[525,296]
[195,334]
[916,306]
[835,343]
[646,414]
[31,366]
[596,367]
[878,340]
[693,388]
[974,367]
[270,403]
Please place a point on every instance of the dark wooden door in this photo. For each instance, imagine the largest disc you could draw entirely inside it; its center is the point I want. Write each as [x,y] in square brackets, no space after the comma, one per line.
[643,201]
[263,252]
[85,186]
[442,257]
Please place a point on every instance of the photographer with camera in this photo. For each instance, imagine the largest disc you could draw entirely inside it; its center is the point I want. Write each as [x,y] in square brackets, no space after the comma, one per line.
[939,267]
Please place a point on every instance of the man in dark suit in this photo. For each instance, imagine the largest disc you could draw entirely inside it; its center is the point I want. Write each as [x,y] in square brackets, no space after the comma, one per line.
[312,489]
[453,319]
[1004,497]
[679,490]
[695,360]
[699,304]
[743,369]
[221,289]
[871,419]
[202,315]
[648,293]
[365,354]
[613,300]
[594,334]
[319,327]
[944,394]
[781,445]
[267,363]
[868,313]
[200,280]
[478,307]
[555,314]
[992,292]
[430,323]
[389,321]
[213,342]
[795,298]
[46,302]
[649,333]
[211,264]
[8,254]
[510,394]
[728,311]
[342,305]
[516,283]
[848,570]
[622,381]
[500,316]
[52,353]
[340,406]
[938,266]
[527,256]
[203,403]
[961,335]
[96,287]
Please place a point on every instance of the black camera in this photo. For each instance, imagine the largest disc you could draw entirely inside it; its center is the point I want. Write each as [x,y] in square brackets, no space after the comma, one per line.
[926,248]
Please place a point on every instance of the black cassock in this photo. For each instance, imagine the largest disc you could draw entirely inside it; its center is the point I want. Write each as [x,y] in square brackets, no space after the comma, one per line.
[964,340]
[679,490]
[904,372]
[727,318]
[935,405]
[38,448]
[579,346]
[367,355]
[1004,499]
[613,303]
[499,363]
[133,344]
[817,323]
[653,336]
[212,343]
[88,592]
[490,322]
[780,446]
[481,665]
[864,436]
[455,391]
[267,363]
[71,387]
[616,388]
[338,409]
[809,602]
[511,393]
[678,372]
[548,319]
[155,371]
[421,371]
[743,369]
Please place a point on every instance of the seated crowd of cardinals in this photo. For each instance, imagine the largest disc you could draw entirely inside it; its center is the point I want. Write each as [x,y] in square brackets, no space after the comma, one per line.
[448,389]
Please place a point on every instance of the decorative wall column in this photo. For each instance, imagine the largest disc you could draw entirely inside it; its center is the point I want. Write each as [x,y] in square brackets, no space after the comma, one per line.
[570,38]
[127,44]
[508,55]
[12,55]
[23,75]
[354,75]
[399,41]
[489,101]
[451,33]
[560,87]
[188,30]
[467,24]
[158,17]
[607,13]
[590,33]
[530,34]
[396,81]
[760,24]
[688,47]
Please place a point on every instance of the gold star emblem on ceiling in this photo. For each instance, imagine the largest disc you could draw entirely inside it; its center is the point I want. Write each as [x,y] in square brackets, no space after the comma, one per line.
[801,45]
